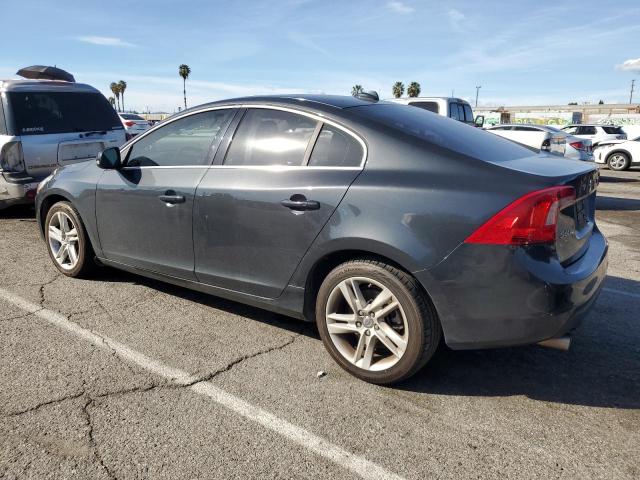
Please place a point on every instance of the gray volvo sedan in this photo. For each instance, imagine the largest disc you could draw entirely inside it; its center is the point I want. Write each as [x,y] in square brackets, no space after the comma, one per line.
[389,226]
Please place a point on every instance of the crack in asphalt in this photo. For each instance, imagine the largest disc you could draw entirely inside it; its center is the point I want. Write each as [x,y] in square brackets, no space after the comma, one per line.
[43,285]
[93,444]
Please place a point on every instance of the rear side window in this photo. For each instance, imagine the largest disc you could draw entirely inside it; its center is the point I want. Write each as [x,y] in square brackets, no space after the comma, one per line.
[336,148]
[38,113]
[468,113]
[613,130]
[586,130]
[271,137]
[184,142]
[430,106]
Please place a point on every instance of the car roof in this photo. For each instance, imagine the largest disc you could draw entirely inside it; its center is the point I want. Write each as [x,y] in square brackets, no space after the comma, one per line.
[335,101]
[44,86]
[590,125]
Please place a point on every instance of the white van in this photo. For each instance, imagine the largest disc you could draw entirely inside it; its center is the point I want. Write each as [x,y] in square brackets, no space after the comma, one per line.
[45,124]
[451,107]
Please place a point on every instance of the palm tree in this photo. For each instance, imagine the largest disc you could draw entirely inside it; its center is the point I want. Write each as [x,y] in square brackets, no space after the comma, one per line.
[122,86]
[115,88]
[398,89]
[184,71]
[357,89]
[414,89]
[112,101]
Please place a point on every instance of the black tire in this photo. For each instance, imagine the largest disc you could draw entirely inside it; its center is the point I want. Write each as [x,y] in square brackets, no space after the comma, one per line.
[613,161]
[85,256]
[424,331]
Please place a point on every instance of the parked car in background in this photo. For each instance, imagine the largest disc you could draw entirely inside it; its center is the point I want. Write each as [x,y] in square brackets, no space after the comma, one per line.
[596,133]
[284,203]
[619,154]
[133,124]
[548,138]
[47,124]
[455,108]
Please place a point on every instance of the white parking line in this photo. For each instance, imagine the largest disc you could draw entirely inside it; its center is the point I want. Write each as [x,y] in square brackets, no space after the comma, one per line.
[357,464]
[620,292]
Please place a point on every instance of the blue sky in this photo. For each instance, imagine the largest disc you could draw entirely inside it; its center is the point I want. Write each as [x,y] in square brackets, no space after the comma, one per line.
[521,52]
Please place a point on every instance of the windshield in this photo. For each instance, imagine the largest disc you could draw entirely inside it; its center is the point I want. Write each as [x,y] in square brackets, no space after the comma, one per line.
[38,113]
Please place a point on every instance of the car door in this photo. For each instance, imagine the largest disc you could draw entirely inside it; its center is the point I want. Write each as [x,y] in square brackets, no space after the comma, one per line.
[144,210]
[258,211]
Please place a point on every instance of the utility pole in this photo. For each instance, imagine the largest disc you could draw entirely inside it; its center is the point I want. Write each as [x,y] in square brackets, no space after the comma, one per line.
[478,87]
[633,83]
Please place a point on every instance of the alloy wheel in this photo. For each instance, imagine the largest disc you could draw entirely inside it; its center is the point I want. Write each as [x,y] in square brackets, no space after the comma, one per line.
[617,161]
[366,323]
[63,240]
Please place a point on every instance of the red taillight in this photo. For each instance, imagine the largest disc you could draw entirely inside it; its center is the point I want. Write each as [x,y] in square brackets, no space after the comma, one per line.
[530,219]
[578,145]
[129,123]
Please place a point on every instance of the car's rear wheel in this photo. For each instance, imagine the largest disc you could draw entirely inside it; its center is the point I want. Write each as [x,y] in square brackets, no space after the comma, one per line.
[67,241]
[376,322]
[619,161]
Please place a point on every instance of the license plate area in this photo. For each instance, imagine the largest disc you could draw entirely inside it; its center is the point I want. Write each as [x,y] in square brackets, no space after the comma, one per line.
[76,152]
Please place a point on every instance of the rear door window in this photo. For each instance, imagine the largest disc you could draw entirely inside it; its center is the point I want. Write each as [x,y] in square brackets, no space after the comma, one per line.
[188,141]
[336,148]
[38,113]
[468,113]
[613,130]
[586,130]
[271,137]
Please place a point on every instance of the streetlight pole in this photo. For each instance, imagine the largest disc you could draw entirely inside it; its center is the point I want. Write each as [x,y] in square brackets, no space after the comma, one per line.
[633,83]
[478,87]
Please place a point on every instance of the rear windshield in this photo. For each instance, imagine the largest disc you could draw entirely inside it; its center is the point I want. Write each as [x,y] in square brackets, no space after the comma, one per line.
[39,113]
[430,106]
[613,130]
[131,116]
[441,131]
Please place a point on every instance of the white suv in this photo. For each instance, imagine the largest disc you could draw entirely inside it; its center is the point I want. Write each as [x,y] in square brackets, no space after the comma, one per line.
[451,107]
[45,124]
[596,133]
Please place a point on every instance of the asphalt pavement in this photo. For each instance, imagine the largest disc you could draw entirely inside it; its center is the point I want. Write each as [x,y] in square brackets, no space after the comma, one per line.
[124,377]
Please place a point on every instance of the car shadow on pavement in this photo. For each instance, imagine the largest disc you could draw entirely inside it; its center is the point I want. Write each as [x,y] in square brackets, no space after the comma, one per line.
[107,274]
[19,212]
[616,203]
[601,369]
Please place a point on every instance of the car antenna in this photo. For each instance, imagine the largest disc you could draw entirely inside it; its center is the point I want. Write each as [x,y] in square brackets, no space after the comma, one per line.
[371,96]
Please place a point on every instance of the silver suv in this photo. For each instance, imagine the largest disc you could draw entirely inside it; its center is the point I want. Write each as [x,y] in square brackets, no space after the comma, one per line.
[45,124]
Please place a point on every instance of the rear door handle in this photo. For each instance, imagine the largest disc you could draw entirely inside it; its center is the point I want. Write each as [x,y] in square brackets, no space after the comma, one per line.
[300,203]
[171,198]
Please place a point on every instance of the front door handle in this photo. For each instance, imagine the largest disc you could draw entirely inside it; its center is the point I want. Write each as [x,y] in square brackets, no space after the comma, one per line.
[172,198]
[300,203]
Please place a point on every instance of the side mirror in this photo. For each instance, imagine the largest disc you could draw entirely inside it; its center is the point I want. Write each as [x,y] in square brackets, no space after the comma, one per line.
[479,121]
[109,159]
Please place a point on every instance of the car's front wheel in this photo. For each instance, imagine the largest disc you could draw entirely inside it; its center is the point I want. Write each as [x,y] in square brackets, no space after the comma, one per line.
[67,241]
[376,322]
[619,161]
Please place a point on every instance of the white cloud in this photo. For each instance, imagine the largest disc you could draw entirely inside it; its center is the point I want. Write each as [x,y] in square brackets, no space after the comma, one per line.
[105,41]
[631,65]
[456,17]
[400,7]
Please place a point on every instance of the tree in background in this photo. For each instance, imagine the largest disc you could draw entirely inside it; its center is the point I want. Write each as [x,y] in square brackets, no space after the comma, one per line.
[115,88]
[122,85]
[398,89]
[112,101]
[414,89]
[601,102]
[184,71]
[356,90]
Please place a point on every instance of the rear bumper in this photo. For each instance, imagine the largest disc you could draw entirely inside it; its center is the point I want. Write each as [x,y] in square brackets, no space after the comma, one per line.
[494,296]
[17,189]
